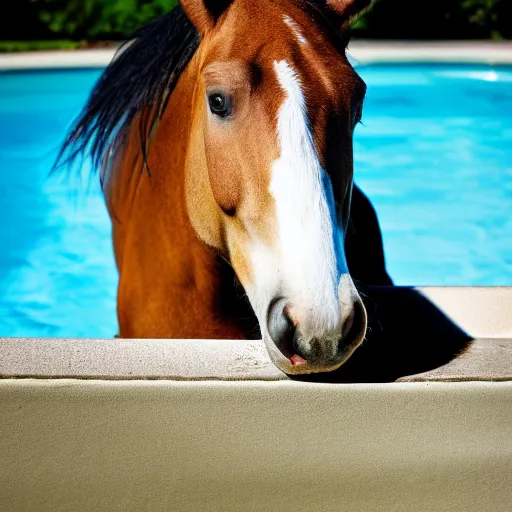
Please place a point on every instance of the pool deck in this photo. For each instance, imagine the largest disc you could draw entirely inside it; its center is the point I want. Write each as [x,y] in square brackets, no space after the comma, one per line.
[359,51]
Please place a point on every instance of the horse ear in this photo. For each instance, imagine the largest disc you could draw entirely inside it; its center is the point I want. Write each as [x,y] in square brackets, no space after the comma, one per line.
[204,13]
[347,10]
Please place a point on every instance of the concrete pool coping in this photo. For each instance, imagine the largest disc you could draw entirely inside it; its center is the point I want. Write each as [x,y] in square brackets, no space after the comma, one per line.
[484,314]
[360,51]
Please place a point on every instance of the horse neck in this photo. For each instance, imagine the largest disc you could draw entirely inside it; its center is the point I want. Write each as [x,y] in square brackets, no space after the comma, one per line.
[171,284]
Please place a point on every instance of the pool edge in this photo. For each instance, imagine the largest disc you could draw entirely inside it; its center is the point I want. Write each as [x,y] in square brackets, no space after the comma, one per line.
[360,51]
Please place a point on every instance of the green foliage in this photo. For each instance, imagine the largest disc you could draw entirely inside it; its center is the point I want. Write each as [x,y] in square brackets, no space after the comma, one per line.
[32,46]
[93,19]
[89,20]
[492,17]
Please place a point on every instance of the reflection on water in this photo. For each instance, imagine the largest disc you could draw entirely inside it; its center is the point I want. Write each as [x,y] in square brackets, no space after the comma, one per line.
[434,154]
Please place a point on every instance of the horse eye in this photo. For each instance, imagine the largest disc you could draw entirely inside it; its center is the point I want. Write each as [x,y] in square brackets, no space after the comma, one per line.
[358,114]
[220,104]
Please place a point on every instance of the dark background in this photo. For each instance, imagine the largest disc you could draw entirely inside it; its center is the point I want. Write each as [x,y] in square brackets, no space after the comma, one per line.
[29,24]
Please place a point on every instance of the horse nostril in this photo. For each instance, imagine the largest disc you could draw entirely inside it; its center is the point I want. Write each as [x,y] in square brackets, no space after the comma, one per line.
[355,325]
[281,327]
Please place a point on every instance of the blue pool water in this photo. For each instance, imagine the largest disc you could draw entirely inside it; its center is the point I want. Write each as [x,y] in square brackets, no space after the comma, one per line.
[434,155]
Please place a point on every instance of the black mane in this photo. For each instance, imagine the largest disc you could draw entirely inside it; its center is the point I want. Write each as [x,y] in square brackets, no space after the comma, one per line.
[140,79]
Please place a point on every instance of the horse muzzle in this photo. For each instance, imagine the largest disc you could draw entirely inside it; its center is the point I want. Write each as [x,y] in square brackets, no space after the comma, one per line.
[297,348]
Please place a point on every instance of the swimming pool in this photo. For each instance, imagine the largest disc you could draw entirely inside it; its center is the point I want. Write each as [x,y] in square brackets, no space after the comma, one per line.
[434,155]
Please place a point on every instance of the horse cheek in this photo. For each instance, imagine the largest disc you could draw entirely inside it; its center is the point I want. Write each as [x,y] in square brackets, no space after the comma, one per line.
[224,178]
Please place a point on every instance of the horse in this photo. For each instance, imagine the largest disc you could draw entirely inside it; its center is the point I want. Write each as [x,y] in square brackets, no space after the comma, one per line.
[223,136]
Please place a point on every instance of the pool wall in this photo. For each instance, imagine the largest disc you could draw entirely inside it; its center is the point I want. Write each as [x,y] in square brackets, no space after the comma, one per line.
[120,425]
[69,445]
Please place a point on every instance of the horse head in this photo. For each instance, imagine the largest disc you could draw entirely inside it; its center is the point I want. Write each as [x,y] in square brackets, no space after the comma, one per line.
[245,113]
[269,167]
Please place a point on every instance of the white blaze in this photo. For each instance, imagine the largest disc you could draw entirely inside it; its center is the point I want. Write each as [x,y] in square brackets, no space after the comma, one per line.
[311,257]
[295,29]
